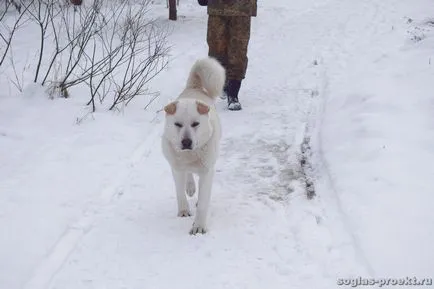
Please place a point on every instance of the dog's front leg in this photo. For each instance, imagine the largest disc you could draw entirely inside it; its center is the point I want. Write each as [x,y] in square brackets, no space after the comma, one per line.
[205,185]
[180,179]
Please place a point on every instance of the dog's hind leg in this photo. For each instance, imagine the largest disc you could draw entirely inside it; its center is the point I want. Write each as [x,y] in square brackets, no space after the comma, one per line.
[180,178]
[190,187]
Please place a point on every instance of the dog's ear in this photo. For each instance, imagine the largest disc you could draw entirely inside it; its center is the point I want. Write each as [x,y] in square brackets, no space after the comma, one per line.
[202,108]
[171,108]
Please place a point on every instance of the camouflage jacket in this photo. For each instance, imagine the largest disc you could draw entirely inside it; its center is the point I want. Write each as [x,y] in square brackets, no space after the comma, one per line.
[232,7]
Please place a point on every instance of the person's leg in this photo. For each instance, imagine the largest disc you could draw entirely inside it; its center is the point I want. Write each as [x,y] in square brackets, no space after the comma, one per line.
[239,36]
[217,38]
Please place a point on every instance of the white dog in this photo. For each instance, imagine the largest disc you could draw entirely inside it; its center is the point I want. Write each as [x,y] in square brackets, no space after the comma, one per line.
[191,138]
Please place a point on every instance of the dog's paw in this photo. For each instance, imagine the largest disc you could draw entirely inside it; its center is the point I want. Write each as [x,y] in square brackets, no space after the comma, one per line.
[184,213]
[197,229]
[190,188]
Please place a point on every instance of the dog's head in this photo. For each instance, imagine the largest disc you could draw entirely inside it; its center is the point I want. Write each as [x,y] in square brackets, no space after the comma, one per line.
[187,124]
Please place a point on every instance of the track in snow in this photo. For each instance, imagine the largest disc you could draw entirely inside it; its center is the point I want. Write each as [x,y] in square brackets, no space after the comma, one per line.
[61,250]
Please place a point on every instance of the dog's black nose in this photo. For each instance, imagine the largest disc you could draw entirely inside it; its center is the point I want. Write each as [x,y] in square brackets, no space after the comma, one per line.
[186,144]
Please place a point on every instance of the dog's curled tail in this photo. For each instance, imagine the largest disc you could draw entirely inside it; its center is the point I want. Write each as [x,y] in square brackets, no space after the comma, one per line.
[208,74]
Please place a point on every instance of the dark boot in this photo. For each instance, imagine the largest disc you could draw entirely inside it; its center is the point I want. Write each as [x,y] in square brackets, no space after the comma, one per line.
[232,92]
[225,91]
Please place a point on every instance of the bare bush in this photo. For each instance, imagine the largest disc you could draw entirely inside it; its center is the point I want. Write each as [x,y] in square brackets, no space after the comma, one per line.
[72,34]
[146,51]
[112,47]
[115,50]
[127,53]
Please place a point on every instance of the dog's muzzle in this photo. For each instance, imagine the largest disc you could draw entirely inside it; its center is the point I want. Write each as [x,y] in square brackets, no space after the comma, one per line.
[187,144]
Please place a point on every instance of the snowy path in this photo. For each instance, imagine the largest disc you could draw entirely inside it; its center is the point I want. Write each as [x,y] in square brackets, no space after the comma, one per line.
[263,232]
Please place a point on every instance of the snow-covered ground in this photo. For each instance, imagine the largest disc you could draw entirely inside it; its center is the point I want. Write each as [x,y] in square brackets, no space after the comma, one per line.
[87,201]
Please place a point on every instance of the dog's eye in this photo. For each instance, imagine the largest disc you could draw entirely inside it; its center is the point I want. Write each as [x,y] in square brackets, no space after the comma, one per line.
[194,124]
[178,124]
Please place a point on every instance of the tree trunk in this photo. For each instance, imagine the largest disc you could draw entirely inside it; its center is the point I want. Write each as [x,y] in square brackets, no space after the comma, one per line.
[172,10]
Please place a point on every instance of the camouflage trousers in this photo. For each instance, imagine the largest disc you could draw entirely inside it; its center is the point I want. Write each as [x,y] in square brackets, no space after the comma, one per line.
[228,39]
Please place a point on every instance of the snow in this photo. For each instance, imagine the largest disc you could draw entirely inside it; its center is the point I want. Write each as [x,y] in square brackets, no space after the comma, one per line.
[381,126]
[87,200]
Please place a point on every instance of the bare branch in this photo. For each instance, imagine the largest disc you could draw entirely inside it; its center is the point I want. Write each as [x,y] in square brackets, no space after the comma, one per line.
[17,81]
[7,33]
